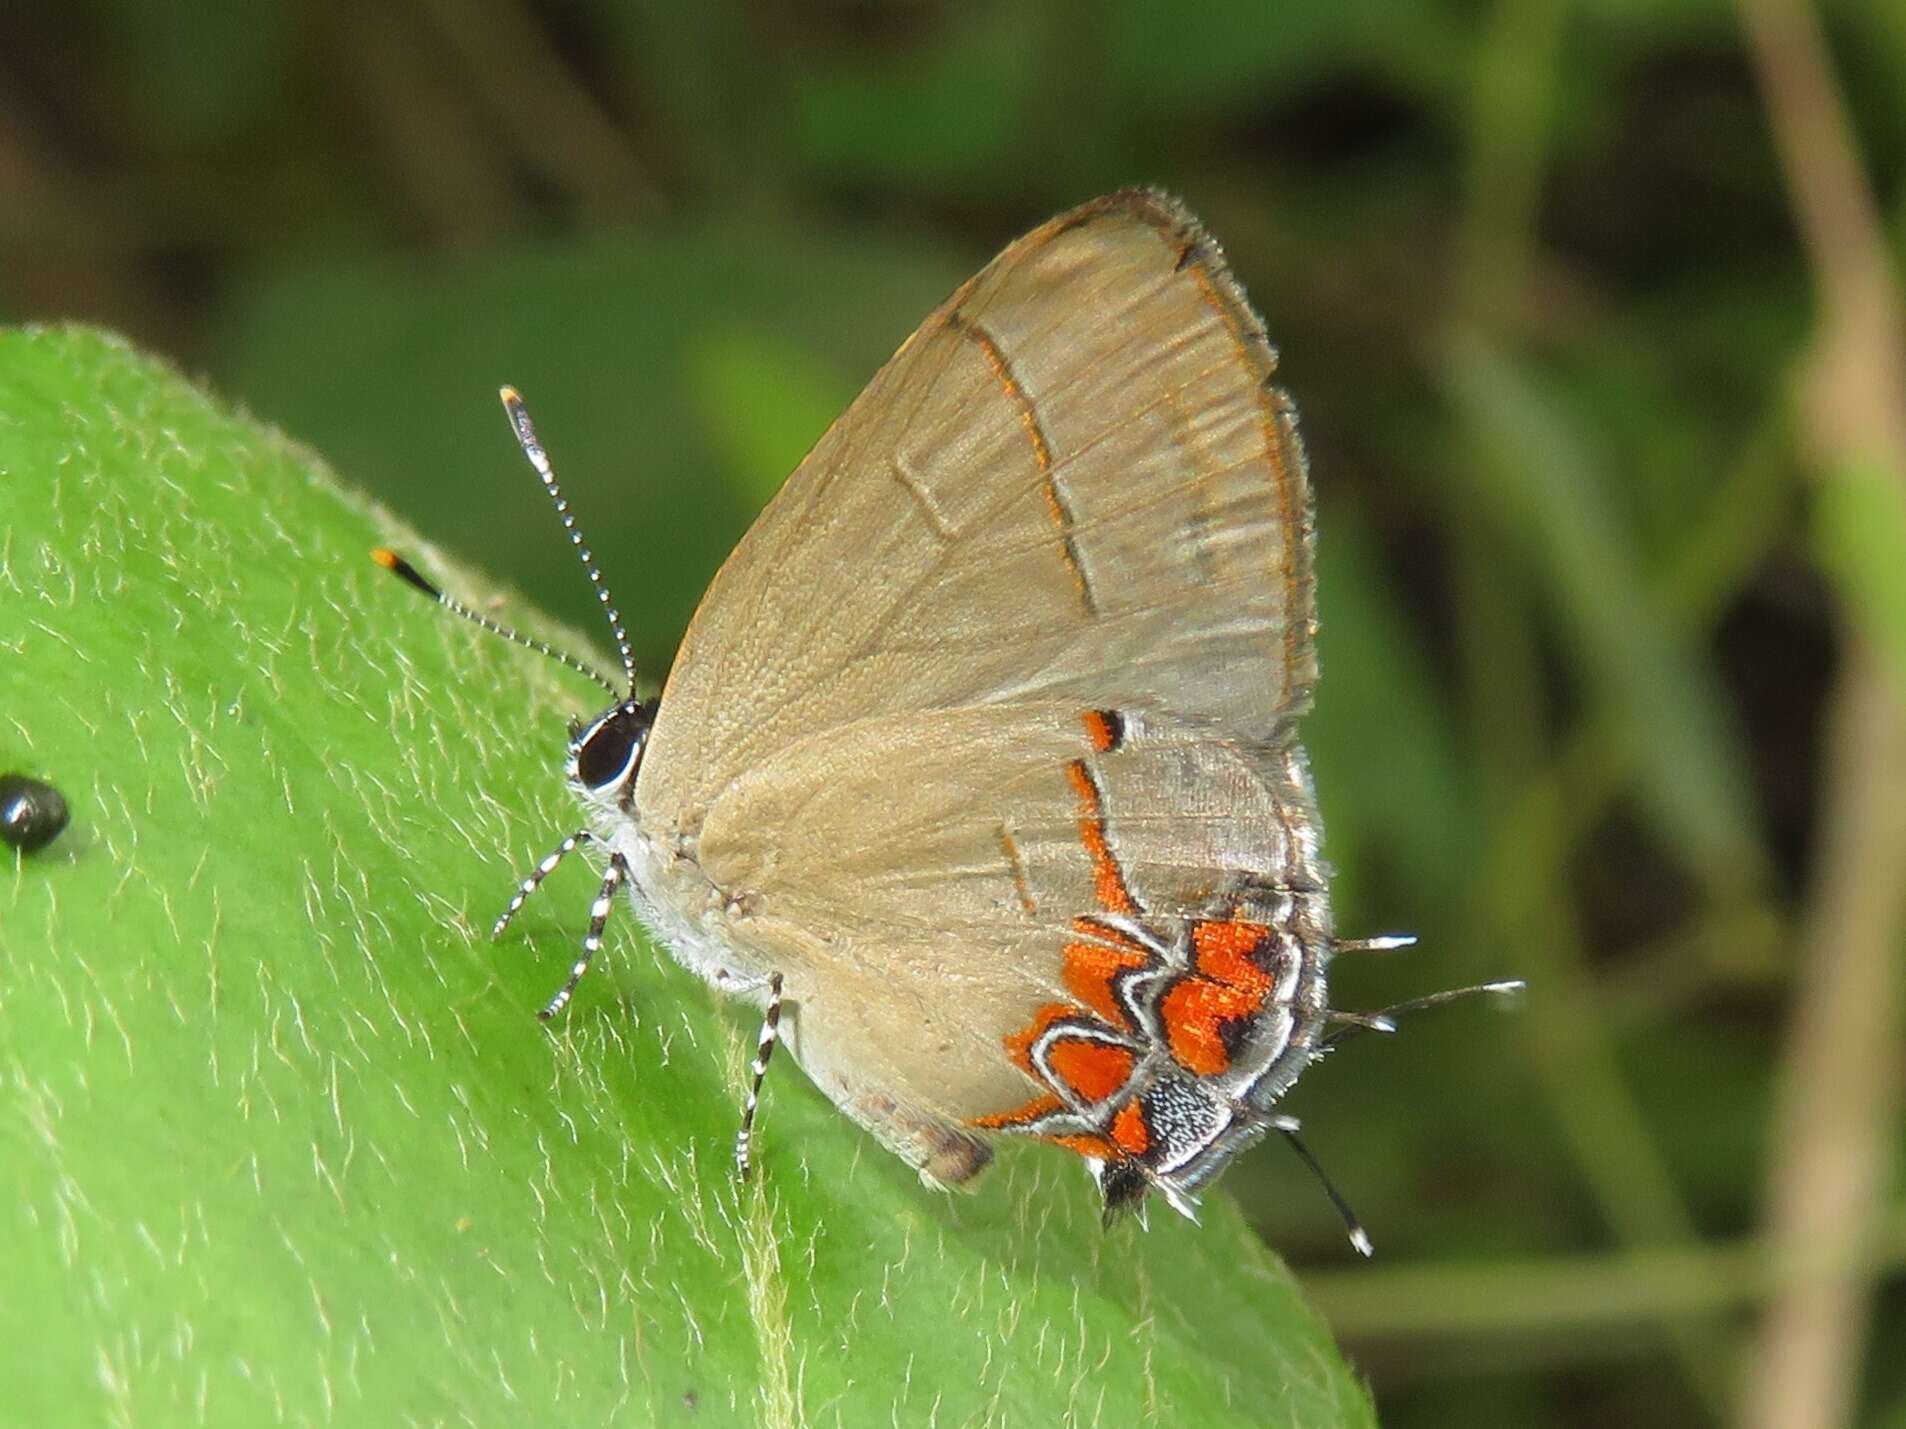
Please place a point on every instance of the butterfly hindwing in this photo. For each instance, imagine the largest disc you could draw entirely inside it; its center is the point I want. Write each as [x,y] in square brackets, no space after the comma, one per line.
[943,888]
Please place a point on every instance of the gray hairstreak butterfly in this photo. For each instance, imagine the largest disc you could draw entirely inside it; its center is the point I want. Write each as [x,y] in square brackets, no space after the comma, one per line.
[32,813]
[978,770]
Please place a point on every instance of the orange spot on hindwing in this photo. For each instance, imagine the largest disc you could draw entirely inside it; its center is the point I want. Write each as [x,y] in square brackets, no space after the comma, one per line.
[1021,1115]
[1092,1069]
[1223,950]
[1228,985]
[1194,1012]
[1091,968]
[1108,880]
[1019,1044]
[1104,730]
[1130,1129]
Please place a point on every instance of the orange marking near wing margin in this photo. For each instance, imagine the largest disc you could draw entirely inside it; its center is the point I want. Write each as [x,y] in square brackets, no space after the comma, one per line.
[1039,1106]
[1222,950]
[1108,881]
[1019,1044]
[1130,1130]
[1091,967]
[1092,1069]
[1227,986]
[1194,1012]
[1086,1144]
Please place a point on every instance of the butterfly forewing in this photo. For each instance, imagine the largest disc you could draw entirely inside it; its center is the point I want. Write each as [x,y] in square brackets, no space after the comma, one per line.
[1072,482]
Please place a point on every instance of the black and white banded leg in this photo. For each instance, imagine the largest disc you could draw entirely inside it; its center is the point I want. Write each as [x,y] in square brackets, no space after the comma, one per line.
[591,940]
[764,1049]
[535,880]
[1289,1126]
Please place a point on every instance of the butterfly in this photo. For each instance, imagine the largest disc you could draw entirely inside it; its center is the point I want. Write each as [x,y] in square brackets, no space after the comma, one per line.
[978,770]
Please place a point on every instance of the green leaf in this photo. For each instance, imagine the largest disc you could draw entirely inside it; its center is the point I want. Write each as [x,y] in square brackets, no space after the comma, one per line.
[1536,471]
[762,402]
[952,111]
[284,1140]
[1381,739]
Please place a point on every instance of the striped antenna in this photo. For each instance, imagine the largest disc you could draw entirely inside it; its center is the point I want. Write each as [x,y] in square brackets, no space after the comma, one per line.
[408,573]
[538,458]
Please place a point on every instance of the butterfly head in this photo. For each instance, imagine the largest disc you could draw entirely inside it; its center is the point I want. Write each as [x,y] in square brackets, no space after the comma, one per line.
[605,754]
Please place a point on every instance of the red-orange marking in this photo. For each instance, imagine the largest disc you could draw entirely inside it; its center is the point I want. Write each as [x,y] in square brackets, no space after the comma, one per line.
[1092,1069]
[1100,731]
[1089,971]
[1130,1131]
[1194,1012]
[1223,951]
[1108,882]
[1228,986]
[1019,1044]
[1039,1106]
[1086,1144]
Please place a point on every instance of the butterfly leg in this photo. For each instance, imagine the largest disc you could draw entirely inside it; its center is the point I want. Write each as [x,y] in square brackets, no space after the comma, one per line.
[592,940]
[1359,1238]
[535,880]
[770,1034]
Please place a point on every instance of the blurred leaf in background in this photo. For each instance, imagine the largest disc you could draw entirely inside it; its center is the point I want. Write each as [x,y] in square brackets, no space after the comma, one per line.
[1544,287]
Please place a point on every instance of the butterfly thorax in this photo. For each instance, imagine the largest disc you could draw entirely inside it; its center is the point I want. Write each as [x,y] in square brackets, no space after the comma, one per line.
[674,898]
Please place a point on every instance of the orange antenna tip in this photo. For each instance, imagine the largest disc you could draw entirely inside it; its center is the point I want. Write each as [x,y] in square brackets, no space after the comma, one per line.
[404,571]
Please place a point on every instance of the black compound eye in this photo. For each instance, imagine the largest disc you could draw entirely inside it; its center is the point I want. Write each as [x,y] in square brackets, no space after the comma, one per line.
[609,752]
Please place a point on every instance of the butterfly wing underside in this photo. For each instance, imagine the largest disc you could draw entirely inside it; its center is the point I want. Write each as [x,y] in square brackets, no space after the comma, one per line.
[924,937]
[1073,482]
[1072,494]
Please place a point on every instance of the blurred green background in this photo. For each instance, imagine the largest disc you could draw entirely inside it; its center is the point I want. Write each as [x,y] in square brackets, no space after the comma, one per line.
[1599,375]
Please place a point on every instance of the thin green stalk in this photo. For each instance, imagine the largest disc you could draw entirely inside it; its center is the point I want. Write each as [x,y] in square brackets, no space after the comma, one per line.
[1576,1294]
